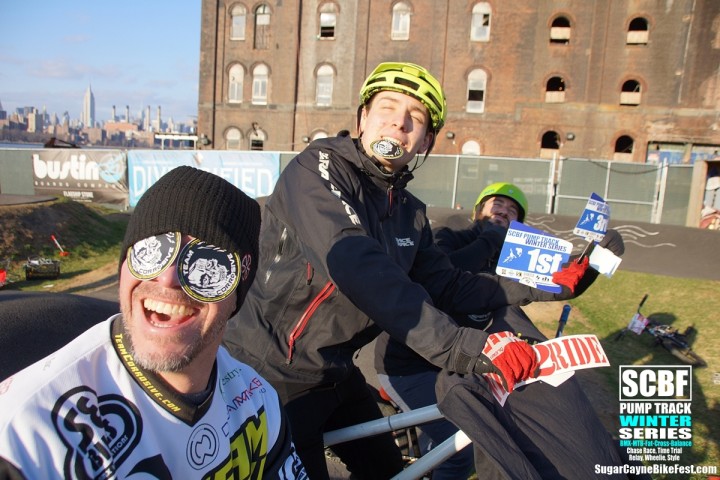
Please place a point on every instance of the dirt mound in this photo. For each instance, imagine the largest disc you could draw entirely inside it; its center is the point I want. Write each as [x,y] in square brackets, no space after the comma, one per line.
[28,229]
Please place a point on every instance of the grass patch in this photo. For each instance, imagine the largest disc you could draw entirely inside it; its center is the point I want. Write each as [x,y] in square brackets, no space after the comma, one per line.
[608,306]
[91,234]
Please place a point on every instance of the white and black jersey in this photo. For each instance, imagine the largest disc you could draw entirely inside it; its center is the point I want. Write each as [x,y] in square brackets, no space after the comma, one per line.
[88,411]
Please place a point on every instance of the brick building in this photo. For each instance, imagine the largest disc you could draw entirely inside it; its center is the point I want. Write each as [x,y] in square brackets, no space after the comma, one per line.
[625,80]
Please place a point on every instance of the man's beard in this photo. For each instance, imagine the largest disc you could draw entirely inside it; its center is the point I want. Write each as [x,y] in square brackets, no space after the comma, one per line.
[154,361]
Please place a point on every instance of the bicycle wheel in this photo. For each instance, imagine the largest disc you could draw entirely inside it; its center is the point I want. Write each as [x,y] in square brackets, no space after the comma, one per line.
[686,355]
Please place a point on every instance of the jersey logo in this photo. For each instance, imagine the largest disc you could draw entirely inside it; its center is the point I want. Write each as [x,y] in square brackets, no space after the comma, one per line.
[100,432]
[404,242]
[248,450]
[202,447]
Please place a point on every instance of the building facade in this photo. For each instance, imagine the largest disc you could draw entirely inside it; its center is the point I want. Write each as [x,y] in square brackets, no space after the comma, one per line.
[625,80]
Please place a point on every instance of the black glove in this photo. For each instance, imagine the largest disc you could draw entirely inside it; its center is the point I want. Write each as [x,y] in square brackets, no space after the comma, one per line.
[613,241]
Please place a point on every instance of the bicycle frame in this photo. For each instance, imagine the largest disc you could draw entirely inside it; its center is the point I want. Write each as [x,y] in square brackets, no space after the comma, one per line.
[399,421]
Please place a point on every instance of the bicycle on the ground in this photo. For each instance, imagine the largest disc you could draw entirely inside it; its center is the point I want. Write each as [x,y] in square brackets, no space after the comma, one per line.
[669,338]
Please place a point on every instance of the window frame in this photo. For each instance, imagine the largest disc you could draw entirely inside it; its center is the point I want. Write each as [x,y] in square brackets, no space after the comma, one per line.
[327,21]
[400,26]
[480,21]
[236,142]
[324,88]
[476,77]
[235,88]
[261,84]
[238,29]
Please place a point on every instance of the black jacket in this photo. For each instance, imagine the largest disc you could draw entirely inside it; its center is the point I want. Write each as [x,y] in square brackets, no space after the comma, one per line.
[345,252]
[475,249]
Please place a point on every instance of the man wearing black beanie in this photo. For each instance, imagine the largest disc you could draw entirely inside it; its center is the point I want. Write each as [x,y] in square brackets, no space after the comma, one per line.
[151,389]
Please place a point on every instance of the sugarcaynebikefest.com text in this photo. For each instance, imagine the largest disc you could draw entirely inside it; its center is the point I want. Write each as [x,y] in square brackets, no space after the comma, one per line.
[655,421]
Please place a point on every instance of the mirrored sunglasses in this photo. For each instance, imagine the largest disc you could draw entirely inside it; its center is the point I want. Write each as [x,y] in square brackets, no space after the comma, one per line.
[205,272]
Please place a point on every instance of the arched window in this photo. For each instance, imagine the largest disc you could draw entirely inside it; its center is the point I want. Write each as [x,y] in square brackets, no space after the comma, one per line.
[550,139]
[555,90]
[560,31]
[233,139]
[260,85]
[477,83]
[324,86]
[624,144]
[480,22]
[262,27]
[624,148]
[328,20]
[630,94]
[638,31]
[239,17]
[549,144]
[471,147]
[400,21]
[257,139]
[235,83]
[319,134]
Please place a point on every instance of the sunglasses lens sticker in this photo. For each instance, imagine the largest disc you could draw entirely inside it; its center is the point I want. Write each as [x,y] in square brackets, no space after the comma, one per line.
[208,273]
[149,257]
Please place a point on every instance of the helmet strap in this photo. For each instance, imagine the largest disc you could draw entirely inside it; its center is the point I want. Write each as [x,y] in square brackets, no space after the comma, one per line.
[418,163]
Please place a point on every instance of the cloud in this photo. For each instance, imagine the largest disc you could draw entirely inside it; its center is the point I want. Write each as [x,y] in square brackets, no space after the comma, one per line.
[69,70]
[77,38]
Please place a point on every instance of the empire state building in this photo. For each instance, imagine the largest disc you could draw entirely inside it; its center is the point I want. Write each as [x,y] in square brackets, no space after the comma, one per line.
[88,111]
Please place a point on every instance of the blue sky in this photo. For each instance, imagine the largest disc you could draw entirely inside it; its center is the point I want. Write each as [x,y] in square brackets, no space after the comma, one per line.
[134,52]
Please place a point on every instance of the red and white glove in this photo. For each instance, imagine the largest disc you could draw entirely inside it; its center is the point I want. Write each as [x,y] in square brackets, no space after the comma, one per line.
[516,362]
[570,275]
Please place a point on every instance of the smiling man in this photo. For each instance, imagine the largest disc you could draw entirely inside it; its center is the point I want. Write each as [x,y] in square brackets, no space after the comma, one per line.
[150,391]
[347,252]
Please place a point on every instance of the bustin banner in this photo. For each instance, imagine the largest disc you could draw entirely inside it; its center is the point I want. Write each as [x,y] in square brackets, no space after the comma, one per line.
[98,176]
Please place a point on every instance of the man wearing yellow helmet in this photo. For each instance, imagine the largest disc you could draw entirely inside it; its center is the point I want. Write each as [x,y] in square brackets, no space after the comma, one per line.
[347,252]
[501,203]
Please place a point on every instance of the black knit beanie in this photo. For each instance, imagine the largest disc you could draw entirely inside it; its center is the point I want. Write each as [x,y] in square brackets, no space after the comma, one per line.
[205,206]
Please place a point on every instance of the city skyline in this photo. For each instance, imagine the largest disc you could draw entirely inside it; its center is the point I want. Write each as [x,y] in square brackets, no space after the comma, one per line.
[143,55]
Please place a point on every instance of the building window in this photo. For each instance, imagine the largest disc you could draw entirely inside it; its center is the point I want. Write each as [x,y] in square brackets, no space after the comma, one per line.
[471,147]
[549,144]
[624,148]
[480,23]
[257,138]
[319,134]
[560,31]
[237,29]
[630,94]
[555,90]
[328,20]
[477,83]
[233,139]
[324,86]
[638,32]
[262,27]
[401,21]
[235,84]
[260,85]
[550,140]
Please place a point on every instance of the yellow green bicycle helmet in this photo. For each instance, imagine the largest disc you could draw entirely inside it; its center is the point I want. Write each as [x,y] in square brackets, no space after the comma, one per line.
[410,79]
[504,189]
